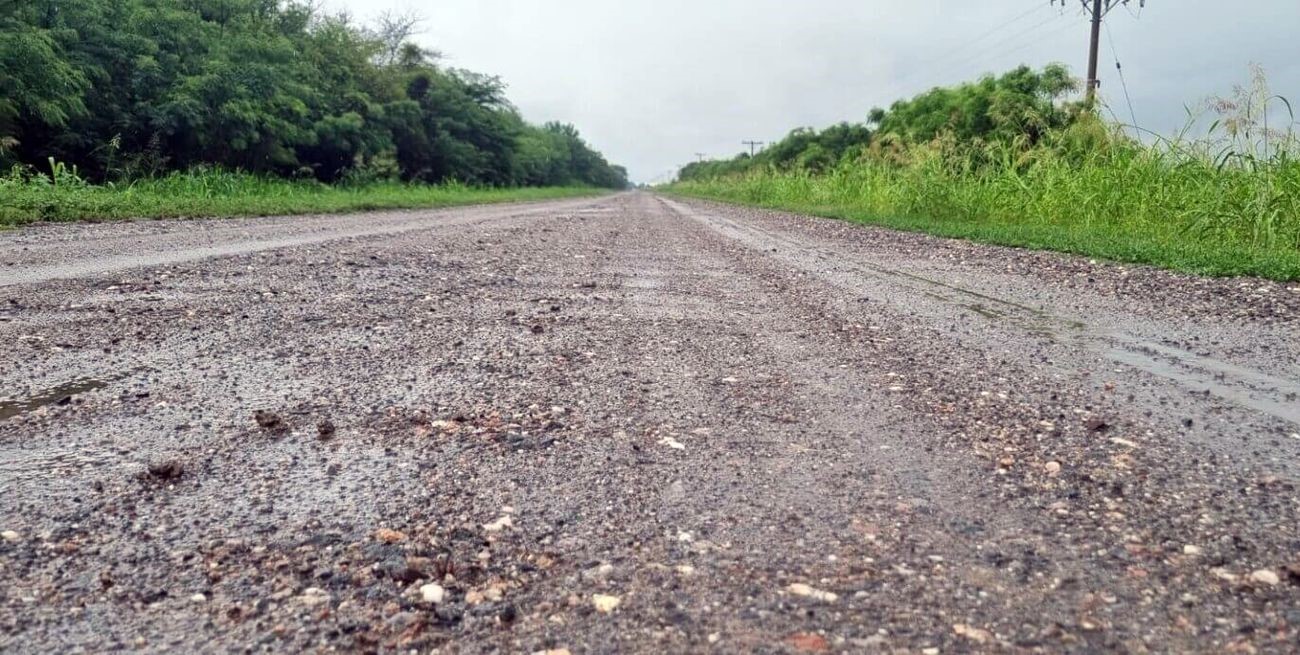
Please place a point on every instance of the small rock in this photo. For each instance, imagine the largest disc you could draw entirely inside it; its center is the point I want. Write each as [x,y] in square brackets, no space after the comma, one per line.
[389,536]
[445,426]
[499,524]
[169,469]
[313,596]
[1191,550]
[554,651]
[402,620]
[1096,424]
[808,642]
[605,604]
[976,635]
[270,421]
[537,329]
[401,571]
[325,430]
[1265,577]
[1052,468]
[508,614]
[800,589]
[433,593]
[198,598]
[10,536]
[672,443]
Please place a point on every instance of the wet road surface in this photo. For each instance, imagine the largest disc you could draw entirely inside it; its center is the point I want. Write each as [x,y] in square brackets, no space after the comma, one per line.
[635,424]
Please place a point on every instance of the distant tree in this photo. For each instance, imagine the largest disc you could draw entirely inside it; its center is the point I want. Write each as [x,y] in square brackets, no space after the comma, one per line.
[122,88]
[1021,103]
[1019,107]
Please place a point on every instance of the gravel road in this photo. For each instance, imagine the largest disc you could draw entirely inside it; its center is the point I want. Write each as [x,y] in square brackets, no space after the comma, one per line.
[635,424]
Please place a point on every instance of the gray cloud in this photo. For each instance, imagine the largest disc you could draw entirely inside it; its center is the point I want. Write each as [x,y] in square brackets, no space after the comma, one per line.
[652,83]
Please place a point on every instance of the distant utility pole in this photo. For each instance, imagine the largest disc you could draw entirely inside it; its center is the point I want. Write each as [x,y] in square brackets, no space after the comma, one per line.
[1099,9]
[753,146]
[701,155]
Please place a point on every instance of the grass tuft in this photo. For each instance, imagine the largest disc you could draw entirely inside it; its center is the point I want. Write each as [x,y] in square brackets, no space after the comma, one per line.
[61,195]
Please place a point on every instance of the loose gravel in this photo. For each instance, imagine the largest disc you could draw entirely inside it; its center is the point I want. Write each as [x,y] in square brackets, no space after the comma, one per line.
[635,424]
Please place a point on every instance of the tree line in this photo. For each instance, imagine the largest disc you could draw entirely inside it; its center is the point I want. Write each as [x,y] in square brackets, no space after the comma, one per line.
[124,89]
[1017,108]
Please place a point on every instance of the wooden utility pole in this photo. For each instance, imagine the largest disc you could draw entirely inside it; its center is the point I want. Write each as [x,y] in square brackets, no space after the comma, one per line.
[700,156]
[1093,51]
[753,147]
[1098,9]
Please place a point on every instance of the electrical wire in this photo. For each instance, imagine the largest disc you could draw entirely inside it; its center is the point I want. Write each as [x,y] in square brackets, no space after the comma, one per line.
[1045,37]
[930,65]
[1120,69]
[982,55]
[994,30]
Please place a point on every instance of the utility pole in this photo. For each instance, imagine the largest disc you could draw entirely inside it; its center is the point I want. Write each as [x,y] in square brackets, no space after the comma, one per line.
[1093,51]
[701,156]
[753,146]
[1098,9]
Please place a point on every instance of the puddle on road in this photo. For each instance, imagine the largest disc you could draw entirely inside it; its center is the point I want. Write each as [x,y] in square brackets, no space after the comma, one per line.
[41,460]
[60,395]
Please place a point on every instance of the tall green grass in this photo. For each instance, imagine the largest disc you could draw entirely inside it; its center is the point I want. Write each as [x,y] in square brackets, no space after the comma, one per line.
[1226,203]
[1132,207]
[61,195]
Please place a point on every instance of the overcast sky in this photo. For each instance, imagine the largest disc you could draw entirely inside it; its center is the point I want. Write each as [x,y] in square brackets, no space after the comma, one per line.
[652,82]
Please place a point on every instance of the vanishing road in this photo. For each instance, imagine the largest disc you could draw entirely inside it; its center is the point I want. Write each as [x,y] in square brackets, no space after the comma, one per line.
[635,424]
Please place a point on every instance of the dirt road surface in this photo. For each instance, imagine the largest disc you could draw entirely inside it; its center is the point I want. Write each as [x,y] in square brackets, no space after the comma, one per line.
[635,424]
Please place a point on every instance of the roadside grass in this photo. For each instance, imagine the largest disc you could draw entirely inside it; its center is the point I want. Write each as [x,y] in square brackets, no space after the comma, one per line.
[63,196]
[1168,206]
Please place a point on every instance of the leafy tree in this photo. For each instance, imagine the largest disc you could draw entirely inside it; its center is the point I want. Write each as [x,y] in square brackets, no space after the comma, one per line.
[1016,109]
[123,88]
[40,90]
[1018,104]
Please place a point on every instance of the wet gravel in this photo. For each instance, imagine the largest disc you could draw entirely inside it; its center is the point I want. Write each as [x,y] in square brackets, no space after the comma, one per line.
[634,424]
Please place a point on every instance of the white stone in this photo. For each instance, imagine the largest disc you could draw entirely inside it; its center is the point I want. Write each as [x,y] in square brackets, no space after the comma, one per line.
[433,593]
[605,604]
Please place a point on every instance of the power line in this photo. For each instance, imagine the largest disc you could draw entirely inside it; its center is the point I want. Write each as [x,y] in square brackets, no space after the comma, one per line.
[997,28]
[1046,36]
[930,65]
[753,145]
[1119,68]
[981,55]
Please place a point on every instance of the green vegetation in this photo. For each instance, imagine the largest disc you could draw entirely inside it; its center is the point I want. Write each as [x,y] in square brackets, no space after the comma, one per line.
[127,90]
[1005,161]
[65,197]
